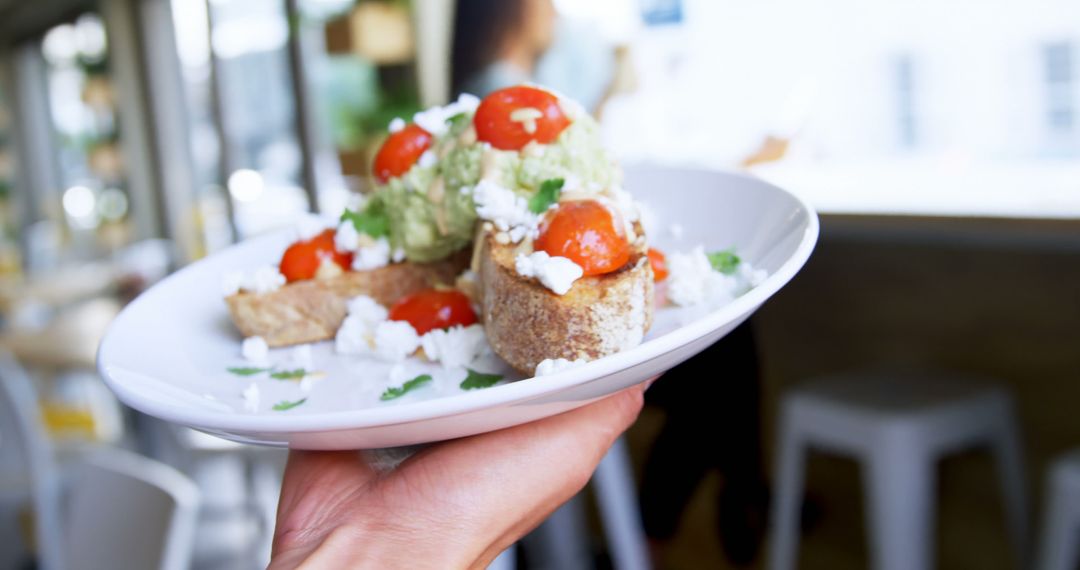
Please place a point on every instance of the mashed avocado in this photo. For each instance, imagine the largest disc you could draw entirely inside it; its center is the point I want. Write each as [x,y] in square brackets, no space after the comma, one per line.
[431,216]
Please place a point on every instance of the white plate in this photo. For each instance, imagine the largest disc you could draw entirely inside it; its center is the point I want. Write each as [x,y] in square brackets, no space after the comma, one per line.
[166,354]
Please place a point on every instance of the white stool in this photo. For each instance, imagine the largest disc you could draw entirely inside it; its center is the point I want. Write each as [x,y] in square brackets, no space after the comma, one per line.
[1058,549]
[897,426]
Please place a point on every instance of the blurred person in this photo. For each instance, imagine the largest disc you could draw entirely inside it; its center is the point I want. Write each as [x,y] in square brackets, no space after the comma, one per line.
[499,43]
[456,504]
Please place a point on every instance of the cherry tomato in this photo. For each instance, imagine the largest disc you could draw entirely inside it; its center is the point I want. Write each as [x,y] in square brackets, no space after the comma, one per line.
[659,264]
[400,151]
[585,233]
[303,258]
[434,309]
[495,122]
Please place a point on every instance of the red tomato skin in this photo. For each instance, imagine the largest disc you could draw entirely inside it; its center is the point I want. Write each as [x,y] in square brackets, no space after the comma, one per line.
[658,261]
[584,232]
[400,152]
[303,258]
[434,309]
[493,123]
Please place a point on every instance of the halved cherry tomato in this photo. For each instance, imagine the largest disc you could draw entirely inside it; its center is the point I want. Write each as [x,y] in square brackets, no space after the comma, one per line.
[495,121]
[303,258]
[400,151]
[659,264]
[434,309]
[585,233]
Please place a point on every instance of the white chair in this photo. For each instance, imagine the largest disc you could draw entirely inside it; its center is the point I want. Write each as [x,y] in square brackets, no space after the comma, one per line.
[897,425]
[27,457]
[561,537]
[1059,548]
[127,511]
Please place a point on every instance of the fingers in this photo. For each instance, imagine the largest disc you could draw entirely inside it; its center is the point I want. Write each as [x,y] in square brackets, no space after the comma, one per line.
[502,484]
[316,485]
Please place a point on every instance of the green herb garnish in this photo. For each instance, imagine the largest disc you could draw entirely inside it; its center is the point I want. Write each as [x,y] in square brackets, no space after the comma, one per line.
[476,380]
[373,220]
[289,374]
[286,405]
[246,370]
[457,120]
[725,261]
[547,195]
[400,391]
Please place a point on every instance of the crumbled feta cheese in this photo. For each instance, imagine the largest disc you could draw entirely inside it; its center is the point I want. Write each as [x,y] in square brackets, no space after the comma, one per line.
[551,366]
[507,210]
[398,255]
[626,204]
[752,277]
[255,349]
[555,273]
[676,231]
[307,382]
[372,256]
[456,346]
[263,280]
[428,159]
[310,225]
[396,124]
[693,281]
[347,238]
[434,120]
[357,331]
[527,116]
[395,340]
[251,398]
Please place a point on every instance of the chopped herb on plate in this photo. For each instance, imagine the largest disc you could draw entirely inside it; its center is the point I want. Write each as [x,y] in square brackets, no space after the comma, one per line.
[725,261]
[246,370]
[392,393]
[457,120]
[476,380]
[297,374]
[547,195]
[286,405]
[372,220]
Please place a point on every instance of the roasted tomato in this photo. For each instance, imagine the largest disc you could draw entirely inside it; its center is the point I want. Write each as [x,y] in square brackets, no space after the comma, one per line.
[303,258]
[586,233]
[400,151]
[512,117]
[434,309]
[659,264]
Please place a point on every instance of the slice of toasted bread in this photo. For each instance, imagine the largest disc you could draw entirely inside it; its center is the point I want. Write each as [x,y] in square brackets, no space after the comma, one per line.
[310,311]
[527,323]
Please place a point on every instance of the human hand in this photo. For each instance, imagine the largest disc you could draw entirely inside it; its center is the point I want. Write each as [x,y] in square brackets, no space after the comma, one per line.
[454,505]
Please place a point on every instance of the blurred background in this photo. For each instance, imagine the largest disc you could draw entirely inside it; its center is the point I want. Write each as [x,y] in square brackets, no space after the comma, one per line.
[939,141]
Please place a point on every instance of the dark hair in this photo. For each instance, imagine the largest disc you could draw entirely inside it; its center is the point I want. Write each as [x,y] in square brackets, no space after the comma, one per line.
[480,26]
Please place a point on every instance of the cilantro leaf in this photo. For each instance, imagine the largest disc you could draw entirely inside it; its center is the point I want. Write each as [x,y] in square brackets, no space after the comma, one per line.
[547,195]
[476,380]
[400,391]
[457,120]
[289,374]
[372,220]
[286,405]
[246,370]
[725,261]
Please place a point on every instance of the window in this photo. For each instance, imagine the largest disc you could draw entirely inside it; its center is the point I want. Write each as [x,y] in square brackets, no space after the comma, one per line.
[1060,78]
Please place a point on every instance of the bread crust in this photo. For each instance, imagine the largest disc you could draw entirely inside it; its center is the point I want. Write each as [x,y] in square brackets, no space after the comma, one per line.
[526,323]
[312,310]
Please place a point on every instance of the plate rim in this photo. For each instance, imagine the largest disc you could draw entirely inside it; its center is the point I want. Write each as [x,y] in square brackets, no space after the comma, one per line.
[458,404]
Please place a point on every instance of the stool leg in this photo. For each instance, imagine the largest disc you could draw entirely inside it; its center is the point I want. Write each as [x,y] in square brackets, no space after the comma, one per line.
[506,560]
[900,483]
[1058,546]
[1010,467]
[613,484]
[787,494]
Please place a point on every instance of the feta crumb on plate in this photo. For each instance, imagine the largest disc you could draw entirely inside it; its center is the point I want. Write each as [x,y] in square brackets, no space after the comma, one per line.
[508,211]
[395,340]
[556,273]
[693,280]
[251,398]
[372,256]
[553,365]
[396,124]
[311,225]
[265,279]
[347,238]
[254,349]
[433,120]
[456,346]
[357,332]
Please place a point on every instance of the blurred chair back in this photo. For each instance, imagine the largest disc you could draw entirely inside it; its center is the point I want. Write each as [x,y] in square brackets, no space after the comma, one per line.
[127,511]
[26,455]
